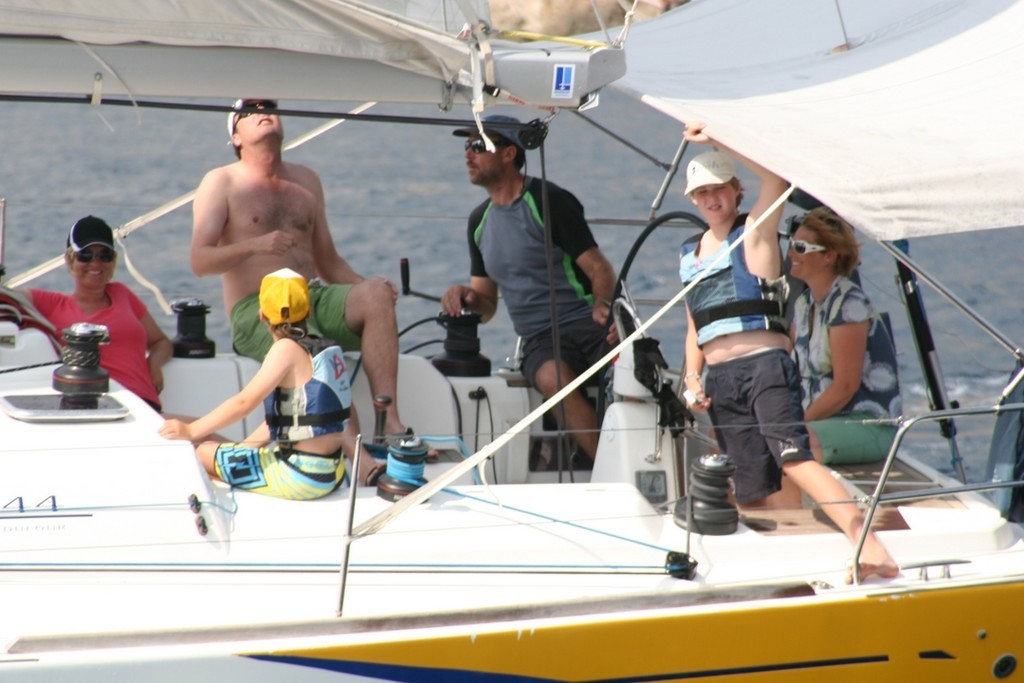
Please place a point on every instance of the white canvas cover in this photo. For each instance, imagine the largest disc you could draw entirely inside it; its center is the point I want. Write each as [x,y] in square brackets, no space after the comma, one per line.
[916,129]
[390,31]
[381,50]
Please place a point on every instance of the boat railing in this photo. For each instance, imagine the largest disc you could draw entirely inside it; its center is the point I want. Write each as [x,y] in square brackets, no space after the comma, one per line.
[905,425]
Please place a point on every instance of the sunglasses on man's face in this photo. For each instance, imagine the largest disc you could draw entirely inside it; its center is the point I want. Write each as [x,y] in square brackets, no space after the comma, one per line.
[261,106]
[478,146]
[801,247]
[87,255]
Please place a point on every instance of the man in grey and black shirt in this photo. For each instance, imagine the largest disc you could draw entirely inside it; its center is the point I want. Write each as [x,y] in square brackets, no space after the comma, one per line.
[507,251]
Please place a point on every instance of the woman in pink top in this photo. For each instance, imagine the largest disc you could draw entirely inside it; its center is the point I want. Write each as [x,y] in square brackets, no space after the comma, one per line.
[138,348]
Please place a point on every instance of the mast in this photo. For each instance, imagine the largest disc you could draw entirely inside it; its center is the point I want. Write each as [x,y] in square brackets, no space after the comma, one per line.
[928,356]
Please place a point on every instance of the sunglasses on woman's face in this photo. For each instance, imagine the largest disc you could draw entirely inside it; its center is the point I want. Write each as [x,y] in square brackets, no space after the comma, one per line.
[801,247]
[87,255]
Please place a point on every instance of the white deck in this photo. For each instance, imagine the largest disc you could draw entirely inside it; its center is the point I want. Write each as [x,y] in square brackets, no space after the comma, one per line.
[97,534]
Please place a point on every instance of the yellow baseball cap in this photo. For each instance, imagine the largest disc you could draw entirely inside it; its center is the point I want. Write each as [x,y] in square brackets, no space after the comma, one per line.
[284,297]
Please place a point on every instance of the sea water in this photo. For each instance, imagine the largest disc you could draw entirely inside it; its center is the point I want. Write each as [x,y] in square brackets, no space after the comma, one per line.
[396,190]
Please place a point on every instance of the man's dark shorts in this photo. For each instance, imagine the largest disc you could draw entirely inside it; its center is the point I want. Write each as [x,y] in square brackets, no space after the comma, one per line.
[758,419]
[582,343]
[250,336]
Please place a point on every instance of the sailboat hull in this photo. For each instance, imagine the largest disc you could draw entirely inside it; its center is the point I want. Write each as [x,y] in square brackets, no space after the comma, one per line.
[950,633]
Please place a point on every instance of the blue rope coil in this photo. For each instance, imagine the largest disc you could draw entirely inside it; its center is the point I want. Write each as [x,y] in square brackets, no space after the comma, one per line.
[406,472]
[407,461]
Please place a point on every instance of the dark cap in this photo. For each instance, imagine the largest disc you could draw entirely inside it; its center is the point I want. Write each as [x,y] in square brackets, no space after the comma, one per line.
[88,231]
[496,124]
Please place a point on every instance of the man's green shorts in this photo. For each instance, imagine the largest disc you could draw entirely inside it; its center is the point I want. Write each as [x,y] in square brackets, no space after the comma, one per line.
[251,337]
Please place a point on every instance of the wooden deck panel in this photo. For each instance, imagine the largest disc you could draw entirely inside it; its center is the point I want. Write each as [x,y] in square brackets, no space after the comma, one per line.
[812,521]
[903,478]
[864,479]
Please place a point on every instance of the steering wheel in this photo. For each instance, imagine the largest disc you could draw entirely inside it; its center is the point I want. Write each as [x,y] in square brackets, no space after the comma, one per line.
[627,320]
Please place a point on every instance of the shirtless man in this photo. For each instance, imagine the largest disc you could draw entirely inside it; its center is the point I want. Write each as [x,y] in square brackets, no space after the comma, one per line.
[261,214]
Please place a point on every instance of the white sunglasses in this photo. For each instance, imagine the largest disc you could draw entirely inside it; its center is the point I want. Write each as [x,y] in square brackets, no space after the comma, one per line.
[801,247]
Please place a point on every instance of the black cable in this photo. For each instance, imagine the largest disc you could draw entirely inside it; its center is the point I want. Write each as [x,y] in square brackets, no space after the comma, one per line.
[419,346]
[417,324]
[549,247]
[618,138]
[490,419]
[29,367]
[458,410]
[642,237]
[225,108]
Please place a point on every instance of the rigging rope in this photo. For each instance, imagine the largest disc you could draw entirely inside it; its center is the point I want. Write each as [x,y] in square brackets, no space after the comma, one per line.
[529,35]
[8,513]
[549,518]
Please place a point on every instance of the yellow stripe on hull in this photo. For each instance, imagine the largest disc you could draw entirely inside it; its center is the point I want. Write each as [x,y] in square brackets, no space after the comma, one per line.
[948,634]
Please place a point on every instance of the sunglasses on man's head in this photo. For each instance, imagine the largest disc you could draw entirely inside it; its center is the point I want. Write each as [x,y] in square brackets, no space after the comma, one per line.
[261,106]
[87,255]
[801,247]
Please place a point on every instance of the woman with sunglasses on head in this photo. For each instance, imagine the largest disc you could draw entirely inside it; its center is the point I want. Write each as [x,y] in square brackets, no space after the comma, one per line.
[138,348]
[736,329]
[843,350]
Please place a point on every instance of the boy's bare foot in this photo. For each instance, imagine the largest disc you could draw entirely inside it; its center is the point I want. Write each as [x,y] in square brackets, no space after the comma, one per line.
[874,558]
[887,570]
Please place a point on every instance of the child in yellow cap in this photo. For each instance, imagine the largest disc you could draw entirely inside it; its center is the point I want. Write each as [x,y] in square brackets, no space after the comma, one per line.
[304,387]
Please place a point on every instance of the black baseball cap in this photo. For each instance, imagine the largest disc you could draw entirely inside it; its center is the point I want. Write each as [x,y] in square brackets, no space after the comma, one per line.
[496,125]
[89,231]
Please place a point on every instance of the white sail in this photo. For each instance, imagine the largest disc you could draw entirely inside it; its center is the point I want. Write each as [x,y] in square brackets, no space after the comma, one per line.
[914,130]
[389,50]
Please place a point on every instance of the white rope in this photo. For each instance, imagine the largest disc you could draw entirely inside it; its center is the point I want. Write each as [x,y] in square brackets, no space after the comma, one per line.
[97,86]
[600,21]
[627,21]
[135,273]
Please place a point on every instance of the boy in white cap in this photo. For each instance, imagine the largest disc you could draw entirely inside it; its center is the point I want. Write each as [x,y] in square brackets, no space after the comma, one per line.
[296,452]
[737,328]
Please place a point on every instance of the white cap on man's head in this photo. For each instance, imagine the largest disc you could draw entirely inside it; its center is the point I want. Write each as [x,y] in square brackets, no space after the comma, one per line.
[709,168]
[240,104]
[233,117]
